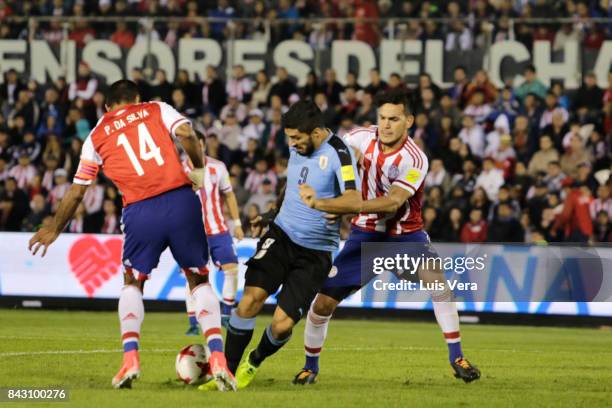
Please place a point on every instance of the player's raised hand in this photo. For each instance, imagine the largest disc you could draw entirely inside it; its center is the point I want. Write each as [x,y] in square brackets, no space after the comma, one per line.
[44,237]
[197,178]
[308,195]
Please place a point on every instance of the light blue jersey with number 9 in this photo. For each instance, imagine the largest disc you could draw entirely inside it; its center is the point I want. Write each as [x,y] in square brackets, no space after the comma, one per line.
[329,170]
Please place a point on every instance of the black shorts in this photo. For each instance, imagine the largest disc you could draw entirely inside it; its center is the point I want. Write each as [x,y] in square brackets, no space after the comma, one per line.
[279,261]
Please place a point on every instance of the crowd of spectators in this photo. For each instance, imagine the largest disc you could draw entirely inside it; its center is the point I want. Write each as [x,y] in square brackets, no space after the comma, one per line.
[524,164]
[517,164]
[468,25]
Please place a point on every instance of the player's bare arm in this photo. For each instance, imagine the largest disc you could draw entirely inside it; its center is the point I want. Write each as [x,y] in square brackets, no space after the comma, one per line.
[348,202]
[389,203]
[232,205]
[45,236]
[358,156]
[187,137]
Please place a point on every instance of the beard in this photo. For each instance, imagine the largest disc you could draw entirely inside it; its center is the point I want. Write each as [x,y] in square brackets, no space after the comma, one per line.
[309,150]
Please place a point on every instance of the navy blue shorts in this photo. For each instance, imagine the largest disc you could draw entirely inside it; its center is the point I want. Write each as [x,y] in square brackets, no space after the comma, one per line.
[345,276]
[222,249]
[172,219]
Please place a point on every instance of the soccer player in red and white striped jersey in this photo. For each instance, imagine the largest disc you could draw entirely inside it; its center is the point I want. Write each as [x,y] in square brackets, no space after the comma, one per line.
[392,170]
[220,243]
[405,168]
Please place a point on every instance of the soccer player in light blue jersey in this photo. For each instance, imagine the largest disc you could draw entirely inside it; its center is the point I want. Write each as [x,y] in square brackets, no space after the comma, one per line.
[296,251]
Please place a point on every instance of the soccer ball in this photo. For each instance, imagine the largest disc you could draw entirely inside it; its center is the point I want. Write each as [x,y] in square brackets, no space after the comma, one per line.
[192,364]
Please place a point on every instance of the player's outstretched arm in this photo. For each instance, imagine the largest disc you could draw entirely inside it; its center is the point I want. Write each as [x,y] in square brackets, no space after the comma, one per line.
[232,205]
[348,202]
[188,139]
[45,236]
[389,203]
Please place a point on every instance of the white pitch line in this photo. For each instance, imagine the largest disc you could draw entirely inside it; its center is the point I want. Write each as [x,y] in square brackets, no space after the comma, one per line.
[340,349]
[97,351]
[103,351]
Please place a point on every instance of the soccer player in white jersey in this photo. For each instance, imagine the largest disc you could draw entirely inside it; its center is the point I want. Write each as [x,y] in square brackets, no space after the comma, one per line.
[392,170]
[220,243]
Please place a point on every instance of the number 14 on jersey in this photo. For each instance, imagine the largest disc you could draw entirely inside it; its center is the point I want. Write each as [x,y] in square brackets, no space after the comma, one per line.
[147,149]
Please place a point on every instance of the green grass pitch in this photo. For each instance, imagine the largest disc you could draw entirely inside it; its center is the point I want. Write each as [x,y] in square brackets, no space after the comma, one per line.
[365,363]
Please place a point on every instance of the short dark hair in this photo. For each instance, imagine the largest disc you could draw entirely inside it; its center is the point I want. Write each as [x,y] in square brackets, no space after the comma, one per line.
[394,97]
[123,90]
[304,116]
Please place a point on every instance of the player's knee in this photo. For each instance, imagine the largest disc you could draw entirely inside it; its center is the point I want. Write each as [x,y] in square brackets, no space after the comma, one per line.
[130,279]
[231,268]
[250,305]
[324,305]
[282,328]
[195,279]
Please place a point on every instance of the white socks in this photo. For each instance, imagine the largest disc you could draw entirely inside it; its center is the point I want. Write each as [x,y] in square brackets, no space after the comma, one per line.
[131,315]
[208,314]
[315,333]
[230,285]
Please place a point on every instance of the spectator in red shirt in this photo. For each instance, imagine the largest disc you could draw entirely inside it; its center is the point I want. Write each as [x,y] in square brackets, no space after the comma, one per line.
[575,218]
[85,85]
[366,31]
[475,230]
[5,10]
[82,33]
[544,34]
[594,39]
[481,83]
[122,36]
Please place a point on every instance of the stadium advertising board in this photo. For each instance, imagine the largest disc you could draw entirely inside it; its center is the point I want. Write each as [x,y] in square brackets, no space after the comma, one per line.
[88,266]
[505,59]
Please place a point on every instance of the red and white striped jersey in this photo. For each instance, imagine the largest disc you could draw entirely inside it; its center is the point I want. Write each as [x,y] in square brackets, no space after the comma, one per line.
[405,168]
[601,205]
[216,181]
[23,175]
